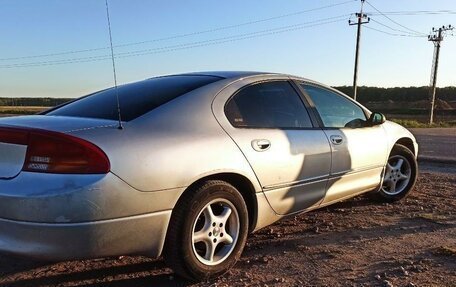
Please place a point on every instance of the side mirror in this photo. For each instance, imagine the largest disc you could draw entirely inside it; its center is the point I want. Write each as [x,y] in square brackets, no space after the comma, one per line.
[376,118]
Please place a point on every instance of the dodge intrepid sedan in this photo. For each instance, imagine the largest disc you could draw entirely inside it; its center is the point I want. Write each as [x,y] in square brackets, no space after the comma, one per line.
[194,164]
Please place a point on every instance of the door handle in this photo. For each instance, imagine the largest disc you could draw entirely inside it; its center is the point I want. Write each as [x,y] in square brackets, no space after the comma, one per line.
[337,140]
[261,145]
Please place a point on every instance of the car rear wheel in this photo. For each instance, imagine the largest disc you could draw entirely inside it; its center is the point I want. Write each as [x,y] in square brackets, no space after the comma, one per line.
[207,231]
[400,174]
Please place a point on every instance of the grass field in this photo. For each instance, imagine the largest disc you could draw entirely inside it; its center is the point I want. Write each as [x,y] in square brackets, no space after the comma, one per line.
[21,110]
[422,121]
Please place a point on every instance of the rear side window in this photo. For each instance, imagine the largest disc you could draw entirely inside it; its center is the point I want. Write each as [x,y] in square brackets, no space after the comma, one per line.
[135,99]
[268,105]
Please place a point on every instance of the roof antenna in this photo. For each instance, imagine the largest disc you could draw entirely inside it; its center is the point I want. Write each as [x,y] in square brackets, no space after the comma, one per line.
[114,67]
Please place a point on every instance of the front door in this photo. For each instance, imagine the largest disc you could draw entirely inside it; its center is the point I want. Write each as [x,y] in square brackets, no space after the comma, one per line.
[359,151]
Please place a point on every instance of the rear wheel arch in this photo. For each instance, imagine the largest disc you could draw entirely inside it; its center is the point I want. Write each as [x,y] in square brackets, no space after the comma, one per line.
[241,183]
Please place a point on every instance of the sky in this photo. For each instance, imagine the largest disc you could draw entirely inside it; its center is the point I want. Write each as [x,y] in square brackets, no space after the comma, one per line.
[307,38]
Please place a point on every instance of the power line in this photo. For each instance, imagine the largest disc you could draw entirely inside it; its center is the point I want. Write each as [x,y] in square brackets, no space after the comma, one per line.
[395,34]
[285,28]
[395,22]
[394,29]
[184,46]
[414,13]
[124,54]
[180,35]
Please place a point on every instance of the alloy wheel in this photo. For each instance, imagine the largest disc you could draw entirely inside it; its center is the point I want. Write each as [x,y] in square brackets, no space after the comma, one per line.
[215,232]
[397,175]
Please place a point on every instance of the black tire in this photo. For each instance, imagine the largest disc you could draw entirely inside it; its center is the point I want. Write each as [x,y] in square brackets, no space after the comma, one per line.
[392,177]
[179,251]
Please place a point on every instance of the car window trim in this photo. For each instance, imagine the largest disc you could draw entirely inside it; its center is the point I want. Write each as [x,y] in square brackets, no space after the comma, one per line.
[310,106]
[292,84]
[314,108]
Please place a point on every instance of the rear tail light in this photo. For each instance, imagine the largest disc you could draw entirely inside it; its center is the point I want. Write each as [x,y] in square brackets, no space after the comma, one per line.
[53,152]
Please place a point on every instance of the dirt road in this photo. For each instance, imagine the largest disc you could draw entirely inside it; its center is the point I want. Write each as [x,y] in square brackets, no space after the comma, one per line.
[353,243]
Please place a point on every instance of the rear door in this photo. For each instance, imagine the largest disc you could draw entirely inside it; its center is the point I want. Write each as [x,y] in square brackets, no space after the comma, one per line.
[359,151]
[290,157]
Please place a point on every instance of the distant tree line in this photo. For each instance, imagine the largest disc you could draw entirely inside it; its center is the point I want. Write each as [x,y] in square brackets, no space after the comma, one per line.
[399,94]
[38,102]
[365,95]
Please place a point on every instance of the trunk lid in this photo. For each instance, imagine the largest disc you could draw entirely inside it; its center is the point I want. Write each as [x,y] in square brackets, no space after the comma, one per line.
[56,123]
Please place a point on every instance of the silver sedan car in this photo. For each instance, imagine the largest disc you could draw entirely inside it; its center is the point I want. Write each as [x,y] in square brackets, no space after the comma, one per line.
[201,160]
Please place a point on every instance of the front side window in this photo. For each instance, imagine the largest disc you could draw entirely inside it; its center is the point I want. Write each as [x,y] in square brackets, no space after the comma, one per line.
[335,110]
[268,105]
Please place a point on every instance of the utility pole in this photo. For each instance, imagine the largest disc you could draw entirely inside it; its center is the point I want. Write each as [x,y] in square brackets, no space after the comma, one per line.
[362,19]
[436,37]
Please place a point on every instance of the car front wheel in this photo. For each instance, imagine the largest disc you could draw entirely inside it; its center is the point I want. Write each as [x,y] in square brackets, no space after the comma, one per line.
[400,174]
[207,231]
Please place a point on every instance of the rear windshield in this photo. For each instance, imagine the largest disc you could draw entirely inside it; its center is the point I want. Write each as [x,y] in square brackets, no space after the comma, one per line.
[135,99]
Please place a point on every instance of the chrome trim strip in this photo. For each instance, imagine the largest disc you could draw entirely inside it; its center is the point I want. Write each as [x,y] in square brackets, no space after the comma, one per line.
[319,178]
[296,183]
[352,171]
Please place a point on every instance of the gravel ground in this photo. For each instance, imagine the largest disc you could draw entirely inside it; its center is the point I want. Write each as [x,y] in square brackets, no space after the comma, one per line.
[353,243]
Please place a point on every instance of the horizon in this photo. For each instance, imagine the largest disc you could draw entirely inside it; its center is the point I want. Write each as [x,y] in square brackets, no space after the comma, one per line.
[336,87]
[312,40]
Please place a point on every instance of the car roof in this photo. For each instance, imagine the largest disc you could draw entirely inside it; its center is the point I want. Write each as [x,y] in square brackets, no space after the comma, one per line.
[235,75]
[225,74]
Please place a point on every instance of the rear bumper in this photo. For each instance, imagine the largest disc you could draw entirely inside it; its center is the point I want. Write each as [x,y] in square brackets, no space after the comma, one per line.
[142,234]
[73,198]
